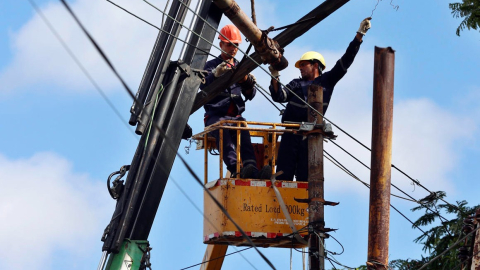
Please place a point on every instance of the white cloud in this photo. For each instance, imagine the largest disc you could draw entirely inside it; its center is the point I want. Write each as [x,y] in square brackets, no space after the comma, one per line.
[39,59]
[422,146]
[45,207]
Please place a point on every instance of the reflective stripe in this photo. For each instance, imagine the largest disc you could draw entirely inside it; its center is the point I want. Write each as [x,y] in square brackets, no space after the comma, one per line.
[249,161]
[341,64]
[298,105]
[284,95]
[223,94]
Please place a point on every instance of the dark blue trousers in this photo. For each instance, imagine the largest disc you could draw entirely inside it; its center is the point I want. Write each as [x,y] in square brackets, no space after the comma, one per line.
[293,157]
[230,141]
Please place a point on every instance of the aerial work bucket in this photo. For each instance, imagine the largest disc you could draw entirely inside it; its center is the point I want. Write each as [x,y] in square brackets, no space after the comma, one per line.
[253,203]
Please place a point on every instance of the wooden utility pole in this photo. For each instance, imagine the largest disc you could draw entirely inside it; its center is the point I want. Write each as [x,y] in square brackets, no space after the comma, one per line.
[380,176]
[316,251]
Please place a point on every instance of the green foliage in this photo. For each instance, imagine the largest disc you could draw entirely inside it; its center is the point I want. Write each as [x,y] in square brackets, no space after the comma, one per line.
[470,11]
[438,238]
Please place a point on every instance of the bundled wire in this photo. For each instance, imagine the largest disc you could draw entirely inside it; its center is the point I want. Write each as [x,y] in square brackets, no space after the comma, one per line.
[165,138]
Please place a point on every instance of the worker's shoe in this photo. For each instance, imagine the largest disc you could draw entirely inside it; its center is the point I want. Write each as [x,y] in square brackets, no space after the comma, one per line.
[265,172]
[249,171]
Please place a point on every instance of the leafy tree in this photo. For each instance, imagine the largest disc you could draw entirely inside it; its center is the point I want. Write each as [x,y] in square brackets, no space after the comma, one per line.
[470,11]
[438,238]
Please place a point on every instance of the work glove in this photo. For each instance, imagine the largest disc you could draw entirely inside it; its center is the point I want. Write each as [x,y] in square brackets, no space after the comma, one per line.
[221,69]
[364,26]
[252,78]
[249,83]
[273,71]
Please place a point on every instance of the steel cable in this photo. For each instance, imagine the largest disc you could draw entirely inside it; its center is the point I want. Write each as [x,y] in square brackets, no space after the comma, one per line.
[406,194]
[79,64]
[165,138]
[303,101]
[213,225]
[356,178]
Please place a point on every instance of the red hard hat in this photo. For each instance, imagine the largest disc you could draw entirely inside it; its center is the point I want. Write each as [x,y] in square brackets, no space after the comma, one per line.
[231,32]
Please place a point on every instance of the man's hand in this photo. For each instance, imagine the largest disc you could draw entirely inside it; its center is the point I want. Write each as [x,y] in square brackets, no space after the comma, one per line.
[221,69]
[273,71]
[252,78]
[249,83]
[364,26]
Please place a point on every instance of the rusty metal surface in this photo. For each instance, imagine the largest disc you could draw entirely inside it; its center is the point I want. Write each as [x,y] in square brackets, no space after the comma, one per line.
[271,127]
[267,48]
[380,176]
[315,181]
[476,245]
[214,256]
[284,38]
[205,141]
[256,209]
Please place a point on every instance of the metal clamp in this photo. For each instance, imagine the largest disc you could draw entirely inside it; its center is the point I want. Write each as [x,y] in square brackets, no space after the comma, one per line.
[117,185]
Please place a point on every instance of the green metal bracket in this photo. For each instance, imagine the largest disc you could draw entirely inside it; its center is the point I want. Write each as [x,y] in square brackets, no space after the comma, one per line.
[129,256]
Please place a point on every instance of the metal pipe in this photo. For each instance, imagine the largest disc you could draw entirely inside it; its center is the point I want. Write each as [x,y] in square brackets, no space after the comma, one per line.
[220,144]
[101,265]
[205,145]
[189,34]
[155,61]
[476,244]
[269,50]
[381,161]
[316,215]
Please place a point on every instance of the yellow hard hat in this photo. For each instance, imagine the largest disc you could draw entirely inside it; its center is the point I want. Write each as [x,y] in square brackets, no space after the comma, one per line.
[310,56]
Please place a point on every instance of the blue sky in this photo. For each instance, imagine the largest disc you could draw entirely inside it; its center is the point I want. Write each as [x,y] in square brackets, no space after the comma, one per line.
[60,139]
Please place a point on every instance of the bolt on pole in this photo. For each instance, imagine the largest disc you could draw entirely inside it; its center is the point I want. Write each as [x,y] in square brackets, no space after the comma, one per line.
[381,161]
[316,251]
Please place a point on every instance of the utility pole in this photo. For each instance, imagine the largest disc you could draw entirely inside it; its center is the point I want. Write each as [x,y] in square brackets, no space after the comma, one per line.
[380,176]
[316,251]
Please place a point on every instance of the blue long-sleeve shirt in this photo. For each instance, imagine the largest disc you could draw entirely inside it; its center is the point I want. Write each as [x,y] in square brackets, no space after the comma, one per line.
[220,105]
[296,110]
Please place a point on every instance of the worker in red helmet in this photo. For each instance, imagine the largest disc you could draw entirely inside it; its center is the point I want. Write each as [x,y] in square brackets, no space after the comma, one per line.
[229,105]
[293,150]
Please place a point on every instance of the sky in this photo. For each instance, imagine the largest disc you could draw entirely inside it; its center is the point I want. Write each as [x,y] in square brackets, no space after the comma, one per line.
[61,140]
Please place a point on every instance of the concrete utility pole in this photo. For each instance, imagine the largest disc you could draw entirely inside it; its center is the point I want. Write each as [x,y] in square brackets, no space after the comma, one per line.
[380,176]
[316,251]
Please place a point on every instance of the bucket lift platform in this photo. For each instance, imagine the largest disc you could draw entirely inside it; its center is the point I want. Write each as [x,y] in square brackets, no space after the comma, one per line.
[252,203]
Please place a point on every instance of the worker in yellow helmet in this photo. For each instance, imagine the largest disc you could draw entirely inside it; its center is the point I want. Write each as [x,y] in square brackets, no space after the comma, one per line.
[293,151]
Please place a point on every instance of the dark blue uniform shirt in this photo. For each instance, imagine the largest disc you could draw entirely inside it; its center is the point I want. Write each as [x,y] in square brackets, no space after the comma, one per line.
[220,104]
[296,110]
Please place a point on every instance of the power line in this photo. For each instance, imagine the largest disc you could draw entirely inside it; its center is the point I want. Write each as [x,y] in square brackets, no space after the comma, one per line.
[162,133]
[79,64]
[160,29]
[213,225]
[406,194]
[368,186]
[448,249]
[301,99]
[238,251]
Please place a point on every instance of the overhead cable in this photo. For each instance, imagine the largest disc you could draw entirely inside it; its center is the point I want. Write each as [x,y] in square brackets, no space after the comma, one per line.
[367,185]
[406,194]
[167,140]
[160,29]
[79,64]
[301,99]
[211,223]
[448,249]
